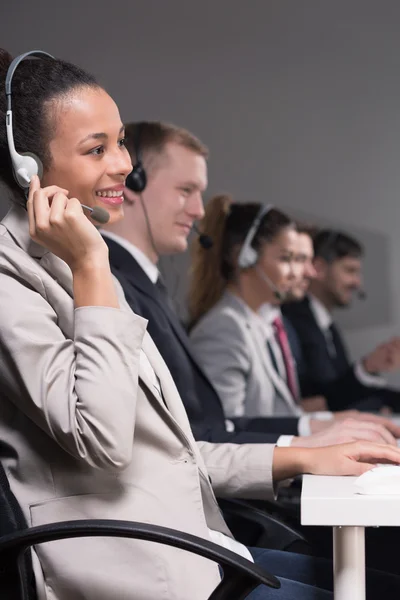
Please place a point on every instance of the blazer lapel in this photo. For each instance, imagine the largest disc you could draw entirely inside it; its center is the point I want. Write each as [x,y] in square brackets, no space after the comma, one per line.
[171,399]
[17,224]
[260,342]
[278,383]
[170,402]
[59,270]
[129,268]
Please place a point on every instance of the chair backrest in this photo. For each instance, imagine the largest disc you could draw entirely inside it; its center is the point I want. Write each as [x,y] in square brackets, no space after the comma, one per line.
[11,520]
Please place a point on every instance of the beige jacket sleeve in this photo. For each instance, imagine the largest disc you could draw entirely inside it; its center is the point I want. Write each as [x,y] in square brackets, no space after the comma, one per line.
[80,387]
[240,470]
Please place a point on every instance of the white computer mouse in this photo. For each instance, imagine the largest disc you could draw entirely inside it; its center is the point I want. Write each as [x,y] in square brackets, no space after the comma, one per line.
[383,480]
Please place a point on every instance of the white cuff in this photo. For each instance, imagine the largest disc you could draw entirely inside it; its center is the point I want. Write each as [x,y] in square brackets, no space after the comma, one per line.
[229,426]
[304,425]
[284,441]
[366,378]
[322,415]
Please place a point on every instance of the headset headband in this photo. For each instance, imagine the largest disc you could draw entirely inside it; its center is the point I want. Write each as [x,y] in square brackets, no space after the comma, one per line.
[27,164]
[247,255]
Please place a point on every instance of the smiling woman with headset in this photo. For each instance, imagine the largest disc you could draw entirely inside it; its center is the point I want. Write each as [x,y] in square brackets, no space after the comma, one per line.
[91,424]
[235,294]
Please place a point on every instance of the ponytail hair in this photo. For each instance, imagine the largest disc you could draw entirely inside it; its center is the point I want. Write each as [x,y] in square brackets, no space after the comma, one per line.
[227,223]
[207,281]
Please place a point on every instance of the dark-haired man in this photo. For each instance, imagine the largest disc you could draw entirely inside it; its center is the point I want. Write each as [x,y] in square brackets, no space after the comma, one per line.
[325,365]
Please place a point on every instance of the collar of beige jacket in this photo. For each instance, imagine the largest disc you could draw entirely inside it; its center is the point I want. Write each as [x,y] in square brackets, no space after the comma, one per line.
[17,224]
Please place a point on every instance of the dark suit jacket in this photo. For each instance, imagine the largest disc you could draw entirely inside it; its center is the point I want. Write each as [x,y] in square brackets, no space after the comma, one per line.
[201,401]
[333,378]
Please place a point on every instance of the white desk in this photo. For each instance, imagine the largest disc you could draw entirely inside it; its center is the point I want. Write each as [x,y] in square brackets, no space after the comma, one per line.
[331,501]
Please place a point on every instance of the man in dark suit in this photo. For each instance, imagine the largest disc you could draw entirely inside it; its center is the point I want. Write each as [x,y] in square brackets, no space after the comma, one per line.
[158,218]
[333,275]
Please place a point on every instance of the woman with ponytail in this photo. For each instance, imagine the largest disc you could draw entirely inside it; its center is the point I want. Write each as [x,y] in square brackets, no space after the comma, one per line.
[234,303]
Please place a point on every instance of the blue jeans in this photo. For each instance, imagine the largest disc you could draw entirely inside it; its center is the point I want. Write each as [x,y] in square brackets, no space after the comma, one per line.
[305,577]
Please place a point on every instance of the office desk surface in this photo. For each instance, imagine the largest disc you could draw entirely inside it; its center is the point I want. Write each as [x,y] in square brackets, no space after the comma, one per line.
[333,501]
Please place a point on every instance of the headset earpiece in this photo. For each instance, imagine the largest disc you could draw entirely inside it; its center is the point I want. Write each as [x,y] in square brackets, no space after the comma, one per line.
[137,178]
[25,167]
[248,256]
[30,165]
[39,165]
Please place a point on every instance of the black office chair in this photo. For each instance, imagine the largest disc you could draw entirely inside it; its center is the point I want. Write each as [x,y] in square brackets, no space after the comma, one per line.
[253,526]
[16,573]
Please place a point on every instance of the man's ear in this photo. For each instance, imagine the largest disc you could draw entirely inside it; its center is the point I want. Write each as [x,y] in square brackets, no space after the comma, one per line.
[321,268]
[130,197]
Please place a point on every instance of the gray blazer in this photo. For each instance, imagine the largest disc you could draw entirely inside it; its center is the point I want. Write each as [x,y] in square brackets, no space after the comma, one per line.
[232,347]
[85,435]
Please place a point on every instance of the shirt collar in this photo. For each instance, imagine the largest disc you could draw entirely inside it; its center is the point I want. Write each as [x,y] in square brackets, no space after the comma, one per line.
[268,313]
[145,263]
[249,312]
[321,313]
[263,318]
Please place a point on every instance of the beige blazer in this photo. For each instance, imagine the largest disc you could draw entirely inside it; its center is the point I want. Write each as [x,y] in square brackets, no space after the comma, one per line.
[85,435]
[231,345]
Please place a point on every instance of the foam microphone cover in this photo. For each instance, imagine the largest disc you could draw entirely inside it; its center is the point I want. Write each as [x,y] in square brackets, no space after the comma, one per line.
[205,241]
[100,215]
[279,296]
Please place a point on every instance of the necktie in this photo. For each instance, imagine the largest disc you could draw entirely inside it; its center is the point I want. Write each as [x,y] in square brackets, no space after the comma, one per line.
[330,344]
[162,288]
[339,356]
[160,285]
[282,339]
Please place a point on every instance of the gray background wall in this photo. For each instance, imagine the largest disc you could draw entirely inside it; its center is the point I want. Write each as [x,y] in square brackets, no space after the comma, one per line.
[298,100]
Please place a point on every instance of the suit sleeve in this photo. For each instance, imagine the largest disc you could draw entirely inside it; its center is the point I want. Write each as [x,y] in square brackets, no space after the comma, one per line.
[221,349]
[273,426]
[240,471]
[80,391]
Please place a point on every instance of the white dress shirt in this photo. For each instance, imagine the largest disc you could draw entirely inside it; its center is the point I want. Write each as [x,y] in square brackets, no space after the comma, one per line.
[144,262]
[324,320]
[153,273]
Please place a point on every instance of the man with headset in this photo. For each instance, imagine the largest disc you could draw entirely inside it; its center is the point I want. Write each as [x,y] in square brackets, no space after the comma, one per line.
[325,365]
[162,203]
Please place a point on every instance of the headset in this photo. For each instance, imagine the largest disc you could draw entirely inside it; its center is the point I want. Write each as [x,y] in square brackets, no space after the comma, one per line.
[248,256]
[27,164]
[137,178]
